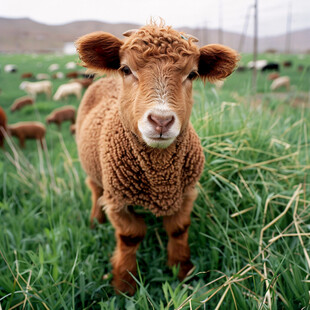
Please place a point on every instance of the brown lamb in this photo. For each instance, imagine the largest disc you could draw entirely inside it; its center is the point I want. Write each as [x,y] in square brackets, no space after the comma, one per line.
[27,130]
[66,113]
[19,103]
[135,139]
[85,82]
[3,126]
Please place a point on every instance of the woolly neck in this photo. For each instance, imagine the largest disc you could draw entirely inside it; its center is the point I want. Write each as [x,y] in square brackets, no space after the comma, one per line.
[156,179]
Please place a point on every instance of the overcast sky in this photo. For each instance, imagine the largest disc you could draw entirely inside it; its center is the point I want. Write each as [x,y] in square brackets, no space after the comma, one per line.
[273,14]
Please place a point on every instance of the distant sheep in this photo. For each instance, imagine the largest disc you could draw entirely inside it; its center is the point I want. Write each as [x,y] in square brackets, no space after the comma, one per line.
[71,65]
[72,129]
[19,103]
[66,113]
[273,66]
[72,75]
[42,76]
[27,75]
[287,63]
[27,130]
[65,90]
[283,81]
[259,64]
[3,121]
[10,68]
[272,76]
[53,67]
[84,82]
[58,75]
[34,88]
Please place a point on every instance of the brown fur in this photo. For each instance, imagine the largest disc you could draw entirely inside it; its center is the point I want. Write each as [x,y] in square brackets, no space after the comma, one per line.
[85,82]
[72,75]
[26,75]
[72,129]
[57,116]
[272,76]
[19,103]
[27,130]
[3,126]
[123,170]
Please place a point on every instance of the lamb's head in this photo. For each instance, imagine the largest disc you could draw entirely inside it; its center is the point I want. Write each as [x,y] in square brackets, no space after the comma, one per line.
[158,66]
[49,118]
[23,85]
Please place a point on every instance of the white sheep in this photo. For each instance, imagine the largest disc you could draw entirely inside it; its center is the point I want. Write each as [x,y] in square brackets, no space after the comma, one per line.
[10,68]
[71,65]
[58,75]
[53,67]
[42,76]
[259,64]
[34,88]
[65,90]
[279,82]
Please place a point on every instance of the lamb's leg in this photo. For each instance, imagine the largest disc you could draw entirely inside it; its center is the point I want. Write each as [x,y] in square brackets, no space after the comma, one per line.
[96,211]
[130,230]
[22,142]
[41,143]
[177,228]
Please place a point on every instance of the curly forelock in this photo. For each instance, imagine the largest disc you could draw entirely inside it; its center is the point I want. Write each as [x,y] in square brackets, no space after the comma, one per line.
[160,41]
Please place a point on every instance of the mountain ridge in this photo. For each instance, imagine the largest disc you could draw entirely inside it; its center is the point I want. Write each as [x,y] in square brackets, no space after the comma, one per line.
[24,35]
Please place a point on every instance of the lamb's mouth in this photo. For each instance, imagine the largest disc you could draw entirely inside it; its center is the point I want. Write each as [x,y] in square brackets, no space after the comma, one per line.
[160,139]
[158,142]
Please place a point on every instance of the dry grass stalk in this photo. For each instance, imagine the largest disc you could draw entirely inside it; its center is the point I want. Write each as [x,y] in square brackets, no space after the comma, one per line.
[295,195]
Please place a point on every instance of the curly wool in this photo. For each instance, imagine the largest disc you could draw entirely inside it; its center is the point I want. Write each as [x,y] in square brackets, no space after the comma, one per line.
[130,172]
[156,42]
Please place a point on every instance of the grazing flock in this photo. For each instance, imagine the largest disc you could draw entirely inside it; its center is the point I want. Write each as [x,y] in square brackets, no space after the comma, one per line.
[42,84]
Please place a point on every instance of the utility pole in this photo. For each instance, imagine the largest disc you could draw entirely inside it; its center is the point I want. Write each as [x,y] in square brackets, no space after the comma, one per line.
[245,29]
[254,76]
[288,29]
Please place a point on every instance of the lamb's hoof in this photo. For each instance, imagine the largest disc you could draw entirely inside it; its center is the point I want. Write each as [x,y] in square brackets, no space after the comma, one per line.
[97,220]
[186,268]
[123,286]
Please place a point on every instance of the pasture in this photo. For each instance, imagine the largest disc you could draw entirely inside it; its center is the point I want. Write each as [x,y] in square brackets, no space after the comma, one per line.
[249,236]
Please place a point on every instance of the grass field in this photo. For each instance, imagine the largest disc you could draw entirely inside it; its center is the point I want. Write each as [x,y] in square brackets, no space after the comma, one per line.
[250,229]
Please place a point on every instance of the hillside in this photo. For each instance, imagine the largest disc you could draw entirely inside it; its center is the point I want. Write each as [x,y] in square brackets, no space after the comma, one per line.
[25,35]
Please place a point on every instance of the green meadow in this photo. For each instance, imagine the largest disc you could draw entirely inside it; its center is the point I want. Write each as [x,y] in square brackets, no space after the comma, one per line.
[250,231]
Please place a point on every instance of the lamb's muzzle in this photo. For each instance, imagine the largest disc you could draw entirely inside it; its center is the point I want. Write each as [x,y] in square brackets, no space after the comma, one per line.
[159,126]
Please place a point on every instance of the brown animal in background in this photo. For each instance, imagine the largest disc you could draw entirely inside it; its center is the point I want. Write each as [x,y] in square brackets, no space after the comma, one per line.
[287,64]
[3,126]
[66,113]
[135,139]
[27,75]
[27,130]
[72,75]
[272,76]
[19,103]
[84,82]
[72,129]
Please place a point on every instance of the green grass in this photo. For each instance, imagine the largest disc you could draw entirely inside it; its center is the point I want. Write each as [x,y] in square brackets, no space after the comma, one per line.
[249,236]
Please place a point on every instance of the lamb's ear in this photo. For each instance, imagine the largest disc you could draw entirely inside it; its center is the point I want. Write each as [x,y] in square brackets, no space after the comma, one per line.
[99,51]
[216,62]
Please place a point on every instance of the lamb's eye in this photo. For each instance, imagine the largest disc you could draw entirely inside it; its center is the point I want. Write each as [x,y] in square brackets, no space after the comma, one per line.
[193,75]
[126,70]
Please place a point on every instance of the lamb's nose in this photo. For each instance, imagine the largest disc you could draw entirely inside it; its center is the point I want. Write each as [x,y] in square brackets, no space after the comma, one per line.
[161,123]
